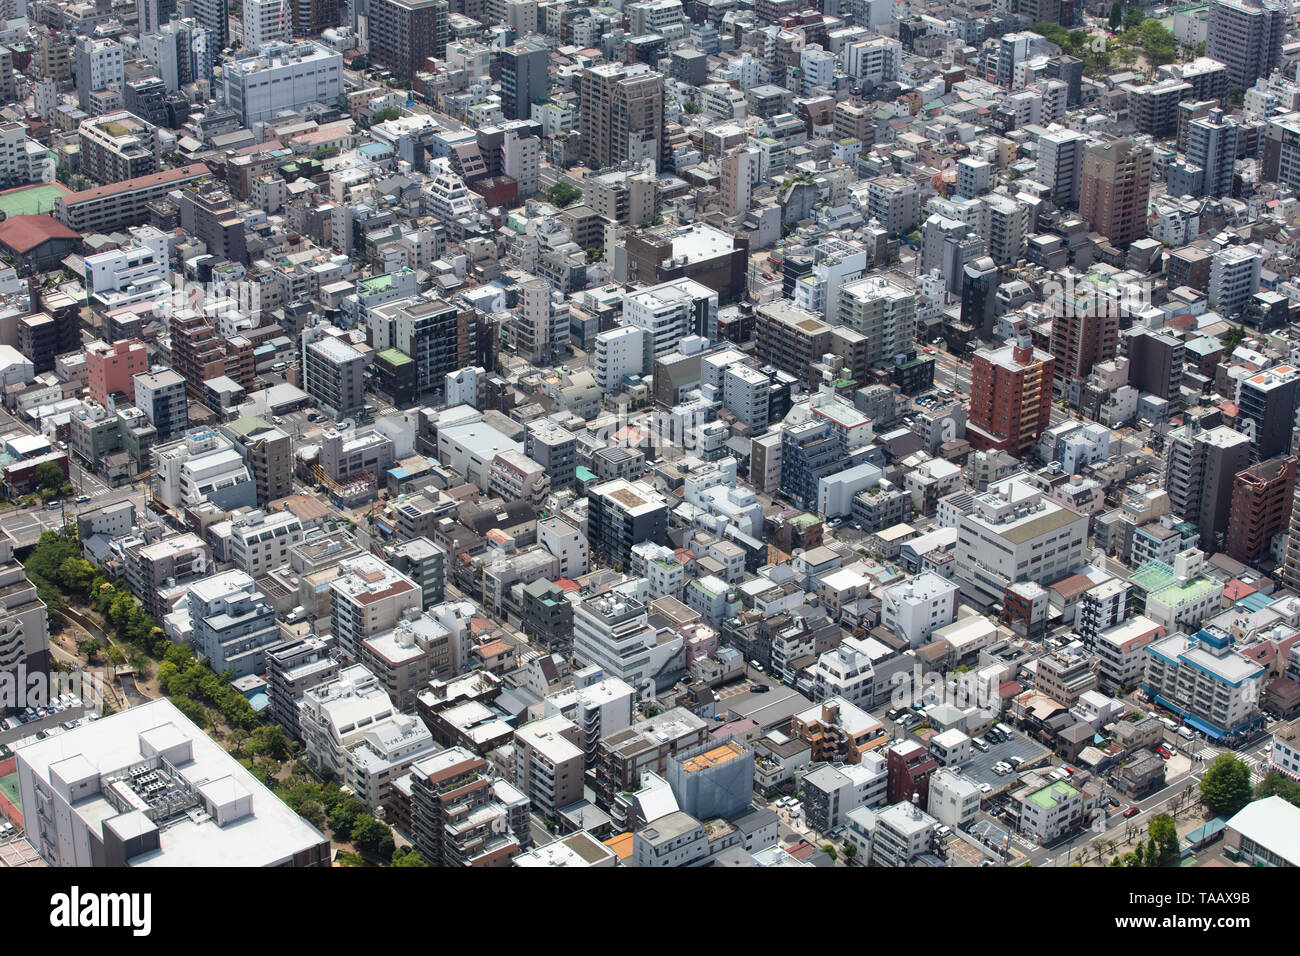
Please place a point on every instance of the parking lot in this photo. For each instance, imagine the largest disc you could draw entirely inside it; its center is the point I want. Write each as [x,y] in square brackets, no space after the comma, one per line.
[980,767]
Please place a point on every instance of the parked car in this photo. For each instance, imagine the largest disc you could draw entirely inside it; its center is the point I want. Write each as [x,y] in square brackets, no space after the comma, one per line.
[1131,812]
[985,788]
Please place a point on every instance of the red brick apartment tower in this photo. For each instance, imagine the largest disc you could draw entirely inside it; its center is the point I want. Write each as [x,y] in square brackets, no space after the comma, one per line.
[1261,506]
[1010,398]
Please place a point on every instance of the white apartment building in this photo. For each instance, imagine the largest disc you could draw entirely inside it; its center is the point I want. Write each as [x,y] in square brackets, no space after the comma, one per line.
[1285,755]
[203,466]
[23,160]
[915,609]
[658,564]
[336,716]
[368,597]
[831,793]
[599,708]
[875,61]
[282,76]
[620,352]
[1120,651]
[1048,813]
[516,477]
[845,671]
[134,273]
[260,542]
[1013,533]
[567,543]
[386,752]
[227,620]
[266,21]
[671,311]
[612,631]
[954,798]
[891,837]
[1204,679]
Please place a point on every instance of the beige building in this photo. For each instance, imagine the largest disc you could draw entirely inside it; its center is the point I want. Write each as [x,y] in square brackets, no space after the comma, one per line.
[549,762]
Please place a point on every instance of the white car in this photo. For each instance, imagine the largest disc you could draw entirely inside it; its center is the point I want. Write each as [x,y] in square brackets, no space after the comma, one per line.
[985,788]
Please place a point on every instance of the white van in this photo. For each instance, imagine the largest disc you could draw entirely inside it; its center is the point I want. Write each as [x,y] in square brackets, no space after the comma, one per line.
[1186,733]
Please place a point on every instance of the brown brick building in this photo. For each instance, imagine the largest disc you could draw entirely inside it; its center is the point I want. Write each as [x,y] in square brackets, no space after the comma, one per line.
[1010,398]
[1261,506]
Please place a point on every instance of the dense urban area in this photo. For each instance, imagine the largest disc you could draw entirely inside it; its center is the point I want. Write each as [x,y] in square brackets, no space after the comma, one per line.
[740,433]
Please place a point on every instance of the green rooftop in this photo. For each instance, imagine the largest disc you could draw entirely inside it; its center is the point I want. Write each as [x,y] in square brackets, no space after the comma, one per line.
[379,283]
[1176,595]
[248,425]
[1152,576]
[584,474]
[30,200]
[394,357]
[1052,794]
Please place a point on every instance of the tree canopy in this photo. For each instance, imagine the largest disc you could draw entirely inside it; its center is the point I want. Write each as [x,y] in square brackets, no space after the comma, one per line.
[1225,788]
[562,194]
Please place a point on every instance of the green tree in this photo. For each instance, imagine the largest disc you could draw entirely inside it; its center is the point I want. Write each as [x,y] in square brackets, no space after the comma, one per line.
[1232,338]
[1225,788]
[1164,841]
[691,108]
[49,476]
[829,850]
[562,195]
[1133,16]
[368,833]
[1275,784]
[344,817]
[350,859]
[76,575]
[384,115]
[408,856]
[1116,14]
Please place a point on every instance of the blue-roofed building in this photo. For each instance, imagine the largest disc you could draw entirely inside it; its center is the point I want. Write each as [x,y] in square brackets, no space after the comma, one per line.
[1203,678]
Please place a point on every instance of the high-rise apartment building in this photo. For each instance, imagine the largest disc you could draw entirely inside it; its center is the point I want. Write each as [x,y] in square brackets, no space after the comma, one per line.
[525,78]
[1199,468]
[1266,409]
[622,513]
[24,631]
[99,64]
[405,33]
[1083,334]
[621,115]
[1234,278]
[462,816]
[213,16]
[1261,506]
[1246,36]
[1010,398]
[881,310]
[1060,164]
[265,21]
[1114,189]
[160,394]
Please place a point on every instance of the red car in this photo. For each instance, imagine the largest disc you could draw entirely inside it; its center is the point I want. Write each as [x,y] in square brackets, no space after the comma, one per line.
[1131,812]
[1163,752]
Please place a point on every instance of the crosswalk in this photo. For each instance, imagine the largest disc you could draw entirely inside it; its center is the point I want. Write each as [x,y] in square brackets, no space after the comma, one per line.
[1257,762]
